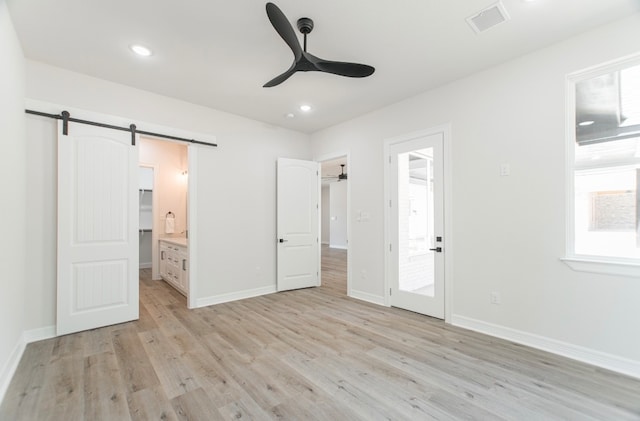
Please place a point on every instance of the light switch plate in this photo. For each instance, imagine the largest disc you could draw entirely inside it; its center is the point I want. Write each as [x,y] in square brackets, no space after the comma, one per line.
[505,170]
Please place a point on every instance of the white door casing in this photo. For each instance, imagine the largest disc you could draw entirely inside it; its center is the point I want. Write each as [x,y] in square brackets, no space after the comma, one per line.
[401,265]
[298,254]
[97,228]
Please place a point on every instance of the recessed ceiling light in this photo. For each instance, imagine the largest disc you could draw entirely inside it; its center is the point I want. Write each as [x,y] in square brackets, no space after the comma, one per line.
[141,50]
[289,115]
[586,123]
[305,108]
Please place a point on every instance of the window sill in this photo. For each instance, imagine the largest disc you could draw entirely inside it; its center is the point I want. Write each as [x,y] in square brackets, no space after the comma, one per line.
[607,267]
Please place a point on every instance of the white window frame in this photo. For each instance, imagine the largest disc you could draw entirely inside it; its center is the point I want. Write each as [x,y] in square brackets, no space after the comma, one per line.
[588,263]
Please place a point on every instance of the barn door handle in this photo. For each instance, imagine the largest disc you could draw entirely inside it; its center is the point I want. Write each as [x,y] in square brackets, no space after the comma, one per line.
[282,240]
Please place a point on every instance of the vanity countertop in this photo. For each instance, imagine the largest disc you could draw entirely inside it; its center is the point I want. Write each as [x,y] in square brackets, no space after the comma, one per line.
[180,241]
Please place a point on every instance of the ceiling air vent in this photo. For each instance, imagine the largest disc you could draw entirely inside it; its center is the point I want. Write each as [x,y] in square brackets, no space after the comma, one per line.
[488,18]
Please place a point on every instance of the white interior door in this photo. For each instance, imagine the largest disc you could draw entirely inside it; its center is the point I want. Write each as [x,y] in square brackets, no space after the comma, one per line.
[298,184]
[97,228]
[417,225]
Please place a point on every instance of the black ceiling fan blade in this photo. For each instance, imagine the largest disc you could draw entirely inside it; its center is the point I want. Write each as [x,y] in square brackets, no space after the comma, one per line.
[283,27]
[281,78]
[343,68]
[304,61]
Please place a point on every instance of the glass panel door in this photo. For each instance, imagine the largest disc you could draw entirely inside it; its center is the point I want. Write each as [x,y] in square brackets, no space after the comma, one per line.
[416,225]
[416,222]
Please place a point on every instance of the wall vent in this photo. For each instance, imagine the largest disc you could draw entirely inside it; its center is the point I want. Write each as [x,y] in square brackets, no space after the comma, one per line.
[488,17]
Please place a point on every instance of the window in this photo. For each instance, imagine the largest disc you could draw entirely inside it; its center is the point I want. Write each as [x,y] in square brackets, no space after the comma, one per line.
[420,194]
[604,154]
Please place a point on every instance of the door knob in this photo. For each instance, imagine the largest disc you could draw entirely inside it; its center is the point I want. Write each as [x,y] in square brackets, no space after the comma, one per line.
[437,249]
[282,240]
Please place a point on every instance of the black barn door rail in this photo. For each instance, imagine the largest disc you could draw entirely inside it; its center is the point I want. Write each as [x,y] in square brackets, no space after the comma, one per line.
[66,118]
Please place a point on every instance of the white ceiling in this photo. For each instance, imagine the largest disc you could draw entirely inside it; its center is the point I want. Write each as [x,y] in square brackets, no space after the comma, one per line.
[331,169]
[219,53]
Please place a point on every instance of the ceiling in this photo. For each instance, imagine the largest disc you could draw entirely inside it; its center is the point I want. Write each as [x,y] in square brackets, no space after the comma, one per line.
[219,53]
[331,169]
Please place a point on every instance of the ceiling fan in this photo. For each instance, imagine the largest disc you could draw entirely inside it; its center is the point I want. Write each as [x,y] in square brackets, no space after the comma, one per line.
[302,60]
[339,177]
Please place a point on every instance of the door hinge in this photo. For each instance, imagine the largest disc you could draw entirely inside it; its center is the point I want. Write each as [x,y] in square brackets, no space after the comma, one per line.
[389,246]
[389,159]
[390,291]
[389,203]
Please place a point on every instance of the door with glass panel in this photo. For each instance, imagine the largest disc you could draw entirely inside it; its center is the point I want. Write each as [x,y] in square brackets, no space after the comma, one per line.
[417,224]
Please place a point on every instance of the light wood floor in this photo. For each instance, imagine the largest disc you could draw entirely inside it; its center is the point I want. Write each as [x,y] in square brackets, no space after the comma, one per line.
[310,354]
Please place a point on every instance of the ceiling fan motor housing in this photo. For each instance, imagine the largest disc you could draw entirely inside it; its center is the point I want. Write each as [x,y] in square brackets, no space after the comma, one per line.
[305,25]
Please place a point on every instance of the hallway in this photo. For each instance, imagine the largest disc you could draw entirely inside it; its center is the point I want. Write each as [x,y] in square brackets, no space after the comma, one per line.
[334,269]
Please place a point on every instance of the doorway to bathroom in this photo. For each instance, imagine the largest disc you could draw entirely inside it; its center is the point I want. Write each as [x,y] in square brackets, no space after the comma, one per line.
[163,213]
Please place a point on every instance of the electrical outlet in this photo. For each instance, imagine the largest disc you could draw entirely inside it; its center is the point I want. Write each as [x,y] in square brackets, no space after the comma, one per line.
[494,297]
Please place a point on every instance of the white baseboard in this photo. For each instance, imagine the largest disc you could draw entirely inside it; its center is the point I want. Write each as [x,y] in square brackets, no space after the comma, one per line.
[234,296]
[365,296]
[337,246]
[39,334]
[325,242]
[145,265]
[575,352]
[10,366]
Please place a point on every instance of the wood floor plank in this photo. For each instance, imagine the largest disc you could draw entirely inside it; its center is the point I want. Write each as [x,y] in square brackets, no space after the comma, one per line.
[347,391]
[191,320]
[219,385]
[63,391]
[104,391]
[498,399]
[135,367]
[174,375]
[326,409]
[413,393]
[150,404]
[22,398]
[145,322]
[262,389]
[243,409]
[68,345]
[195,405]
[97,341]
[310,354]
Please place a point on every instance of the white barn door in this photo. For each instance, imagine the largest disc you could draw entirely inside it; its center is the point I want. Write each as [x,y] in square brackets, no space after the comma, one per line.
[298,264]
[97,228]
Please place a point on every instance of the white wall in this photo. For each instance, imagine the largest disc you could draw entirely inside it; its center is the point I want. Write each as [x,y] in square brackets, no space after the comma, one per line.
[12,211]
[338,214]
[508,232]
[326,220]
[236,183]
